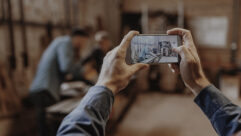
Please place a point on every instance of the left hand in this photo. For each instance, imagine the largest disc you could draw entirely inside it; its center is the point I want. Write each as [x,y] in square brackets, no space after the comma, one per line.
[115,73]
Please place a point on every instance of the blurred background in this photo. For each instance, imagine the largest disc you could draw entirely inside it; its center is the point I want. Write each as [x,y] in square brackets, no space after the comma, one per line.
[156,101]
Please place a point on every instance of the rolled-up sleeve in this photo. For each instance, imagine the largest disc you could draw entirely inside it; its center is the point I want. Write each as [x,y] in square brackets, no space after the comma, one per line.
[90,117]
[223,114]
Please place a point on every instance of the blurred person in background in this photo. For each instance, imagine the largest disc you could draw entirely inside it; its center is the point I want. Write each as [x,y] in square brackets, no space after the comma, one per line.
[103,46]
[58,62]
[92,114]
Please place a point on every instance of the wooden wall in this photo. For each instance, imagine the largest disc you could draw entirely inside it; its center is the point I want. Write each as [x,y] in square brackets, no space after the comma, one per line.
[62,15]
[98,14]
[213,58]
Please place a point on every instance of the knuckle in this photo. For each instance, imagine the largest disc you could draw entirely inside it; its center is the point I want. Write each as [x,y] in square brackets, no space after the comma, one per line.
[105,58]
[132,31]
[190,61]
[108,53]
[189,48]
[189,34]
[128,38]
[118,55]
[125,37]
[183,48]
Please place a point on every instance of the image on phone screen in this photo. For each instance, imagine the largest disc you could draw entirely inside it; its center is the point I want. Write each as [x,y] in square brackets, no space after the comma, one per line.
[153,49]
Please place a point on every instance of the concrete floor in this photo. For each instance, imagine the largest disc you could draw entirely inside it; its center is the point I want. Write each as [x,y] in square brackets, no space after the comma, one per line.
[152,114]
[155,114]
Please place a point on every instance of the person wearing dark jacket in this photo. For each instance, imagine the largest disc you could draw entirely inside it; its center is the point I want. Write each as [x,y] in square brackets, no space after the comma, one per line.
[103,46]
[90,117]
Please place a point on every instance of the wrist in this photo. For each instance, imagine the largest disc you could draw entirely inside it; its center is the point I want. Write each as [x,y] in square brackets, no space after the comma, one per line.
[199,85]
[110,86]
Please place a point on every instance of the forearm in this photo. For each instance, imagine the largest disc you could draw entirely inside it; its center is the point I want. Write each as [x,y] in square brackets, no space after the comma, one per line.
[223,114]
[90,117]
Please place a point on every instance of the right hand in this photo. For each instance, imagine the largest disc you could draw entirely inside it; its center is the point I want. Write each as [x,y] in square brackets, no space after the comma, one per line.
[190,66]
[115,73]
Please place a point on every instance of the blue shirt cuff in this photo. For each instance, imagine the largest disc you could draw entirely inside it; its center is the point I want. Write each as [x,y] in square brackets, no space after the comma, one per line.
[210,99]
[90,117]
[100,98]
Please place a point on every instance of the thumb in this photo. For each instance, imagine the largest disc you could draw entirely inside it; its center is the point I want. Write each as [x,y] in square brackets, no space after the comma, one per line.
[177,49]
[137,67]
[181,50]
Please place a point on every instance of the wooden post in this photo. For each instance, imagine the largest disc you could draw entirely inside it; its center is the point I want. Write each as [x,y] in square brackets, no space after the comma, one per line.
[24,36]
[12,57]
[9,101]
[180,12]
[235,31]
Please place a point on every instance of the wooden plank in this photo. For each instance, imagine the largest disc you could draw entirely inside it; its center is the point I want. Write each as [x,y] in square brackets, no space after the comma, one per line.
[64,107]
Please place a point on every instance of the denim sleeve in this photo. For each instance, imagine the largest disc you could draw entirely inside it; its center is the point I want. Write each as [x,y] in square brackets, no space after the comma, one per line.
[90,117]
[222,113]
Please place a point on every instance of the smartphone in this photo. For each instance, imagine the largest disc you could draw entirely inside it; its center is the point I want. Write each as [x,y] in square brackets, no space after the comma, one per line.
[153,49]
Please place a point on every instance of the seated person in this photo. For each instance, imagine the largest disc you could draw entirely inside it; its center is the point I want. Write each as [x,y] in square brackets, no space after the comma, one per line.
[97,55]
[90,117]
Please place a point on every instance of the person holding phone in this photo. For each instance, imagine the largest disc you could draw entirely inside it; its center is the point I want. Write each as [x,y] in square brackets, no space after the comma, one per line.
[90,117]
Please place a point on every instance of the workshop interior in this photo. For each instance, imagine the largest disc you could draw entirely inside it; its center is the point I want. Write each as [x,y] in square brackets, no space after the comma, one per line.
[156,102]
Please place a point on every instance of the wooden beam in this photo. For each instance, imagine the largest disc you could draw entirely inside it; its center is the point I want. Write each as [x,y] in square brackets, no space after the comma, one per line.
[12,58]
[24,36]
[235,31]
[33,24]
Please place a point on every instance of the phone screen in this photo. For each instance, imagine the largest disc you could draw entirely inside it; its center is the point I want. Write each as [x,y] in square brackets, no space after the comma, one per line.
[153,49]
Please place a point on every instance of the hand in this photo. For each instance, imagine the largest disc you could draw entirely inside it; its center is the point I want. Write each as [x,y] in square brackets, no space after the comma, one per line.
[190,66]
[115,73]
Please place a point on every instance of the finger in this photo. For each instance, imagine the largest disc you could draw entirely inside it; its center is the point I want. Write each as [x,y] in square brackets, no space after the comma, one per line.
[108,53]
[137,67]
[181,50]
[174,68]
[169,65]
[186,35]
[177,31]
[126,41]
